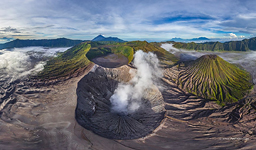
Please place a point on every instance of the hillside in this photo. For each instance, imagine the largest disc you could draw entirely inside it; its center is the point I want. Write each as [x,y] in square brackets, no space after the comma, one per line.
[61,42]
[66,63]
[213,78]
[162,54]
[244,45]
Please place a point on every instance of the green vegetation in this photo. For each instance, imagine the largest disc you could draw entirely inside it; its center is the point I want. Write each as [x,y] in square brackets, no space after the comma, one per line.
[244,45]
[161,53]
[128,49]
[66,63]
[124,50]
[99,50]
[79,56]
[213,78]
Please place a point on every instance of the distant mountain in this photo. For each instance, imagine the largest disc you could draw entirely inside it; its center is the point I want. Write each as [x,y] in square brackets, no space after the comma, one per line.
[102,38]
[199,39]
[60,42]
[189,40]
[99,38]
[244,45]
[178,39]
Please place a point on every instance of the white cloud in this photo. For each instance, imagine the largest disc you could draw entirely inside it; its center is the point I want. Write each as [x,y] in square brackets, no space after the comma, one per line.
[126,19]
[20,62]
[232,35]
[247,16]
[241,36]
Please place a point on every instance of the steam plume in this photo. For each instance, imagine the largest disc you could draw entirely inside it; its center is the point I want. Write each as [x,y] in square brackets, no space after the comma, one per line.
[127,97]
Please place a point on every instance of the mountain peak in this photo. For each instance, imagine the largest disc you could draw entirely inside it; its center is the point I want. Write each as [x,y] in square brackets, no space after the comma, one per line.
[200,38]
[211,77]
[211,56]
[99,38]
[102,38]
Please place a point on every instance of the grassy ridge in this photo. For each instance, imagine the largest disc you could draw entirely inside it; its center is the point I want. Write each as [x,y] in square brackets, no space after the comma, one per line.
[211,77]
[80,55]
[128,49]
[67,62]
[161,53]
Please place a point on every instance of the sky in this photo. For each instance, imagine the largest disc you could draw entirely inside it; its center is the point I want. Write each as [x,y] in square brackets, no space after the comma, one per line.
[153,20]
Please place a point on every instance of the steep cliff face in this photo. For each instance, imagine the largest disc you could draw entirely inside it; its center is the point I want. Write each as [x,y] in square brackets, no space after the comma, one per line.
[211,77]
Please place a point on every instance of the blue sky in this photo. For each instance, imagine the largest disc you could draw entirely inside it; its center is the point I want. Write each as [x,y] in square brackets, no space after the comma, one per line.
[127,19]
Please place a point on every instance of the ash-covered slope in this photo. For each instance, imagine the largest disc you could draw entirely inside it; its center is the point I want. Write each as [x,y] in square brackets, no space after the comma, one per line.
[211,77]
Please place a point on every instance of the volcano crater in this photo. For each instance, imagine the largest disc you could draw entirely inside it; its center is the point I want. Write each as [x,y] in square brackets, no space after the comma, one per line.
[94,112]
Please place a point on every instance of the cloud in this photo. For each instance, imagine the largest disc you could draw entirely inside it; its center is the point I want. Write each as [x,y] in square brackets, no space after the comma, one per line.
[14,63]
[126,19]
[5,39]
[10,29]
[232,35]
[39,52]
[243,23]
[169,47]
[20,62]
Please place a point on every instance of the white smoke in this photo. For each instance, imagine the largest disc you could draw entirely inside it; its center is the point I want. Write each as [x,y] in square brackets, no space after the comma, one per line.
[127,97]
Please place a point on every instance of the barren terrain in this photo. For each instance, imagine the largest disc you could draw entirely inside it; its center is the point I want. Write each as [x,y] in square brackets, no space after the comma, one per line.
[43,117]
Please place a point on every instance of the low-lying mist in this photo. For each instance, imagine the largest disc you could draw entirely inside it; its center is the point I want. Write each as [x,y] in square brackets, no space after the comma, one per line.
[17,63]
[127,97]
